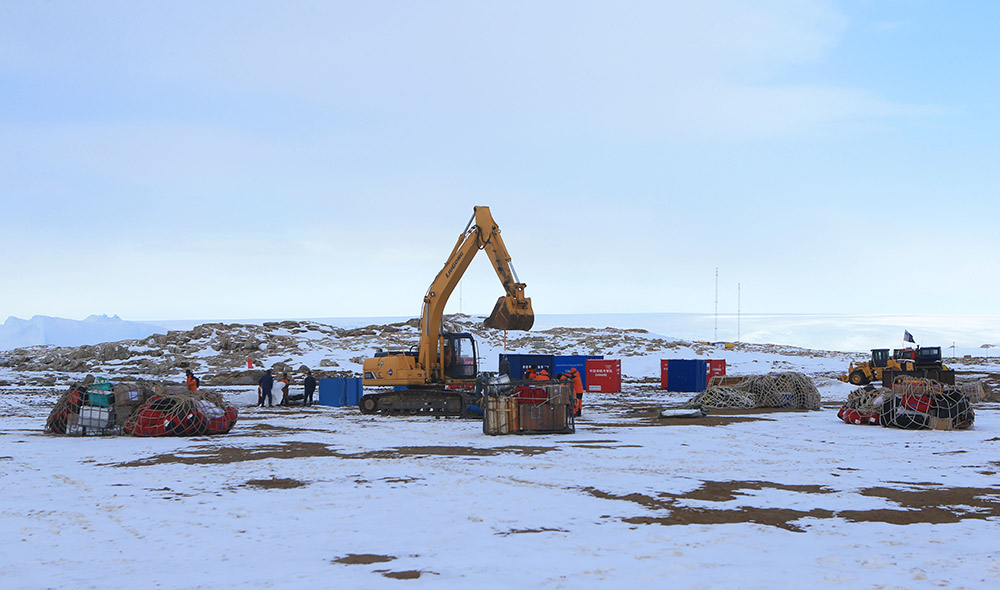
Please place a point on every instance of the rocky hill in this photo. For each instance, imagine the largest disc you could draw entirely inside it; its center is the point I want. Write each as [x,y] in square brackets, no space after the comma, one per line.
[219,353]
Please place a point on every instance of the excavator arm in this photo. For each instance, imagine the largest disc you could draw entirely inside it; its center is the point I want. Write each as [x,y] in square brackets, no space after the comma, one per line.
[512,311]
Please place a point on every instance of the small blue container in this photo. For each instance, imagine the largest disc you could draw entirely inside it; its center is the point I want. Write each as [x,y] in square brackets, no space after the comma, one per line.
[687,375]
[340,391]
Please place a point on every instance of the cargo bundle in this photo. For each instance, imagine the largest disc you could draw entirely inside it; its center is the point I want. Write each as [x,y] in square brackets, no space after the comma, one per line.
[528,407]
[99,407]
[781,390]
[912,403]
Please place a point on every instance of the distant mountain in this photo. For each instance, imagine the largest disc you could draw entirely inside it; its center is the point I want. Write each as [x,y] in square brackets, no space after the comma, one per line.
[17,333]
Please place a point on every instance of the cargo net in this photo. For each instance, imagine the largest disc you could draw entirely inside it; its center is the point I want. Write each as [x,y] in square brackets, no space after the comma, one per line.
[169,413]
[85,408]
[913,403]
[782,390]
[98,407]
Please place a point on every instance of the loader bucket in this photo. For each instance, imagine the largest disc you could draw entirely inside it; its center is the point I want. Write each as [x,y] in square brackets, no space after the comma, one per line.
[511,314]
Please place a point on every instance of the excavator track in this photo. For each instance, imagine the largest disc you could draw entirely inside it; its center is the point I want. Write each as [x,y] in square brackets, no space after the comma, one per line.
[416,402]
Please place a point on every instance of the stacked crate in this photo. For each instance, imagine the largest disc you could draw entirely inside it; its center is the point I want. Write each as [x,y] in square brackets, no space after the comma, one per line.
[530,408]
[128,397]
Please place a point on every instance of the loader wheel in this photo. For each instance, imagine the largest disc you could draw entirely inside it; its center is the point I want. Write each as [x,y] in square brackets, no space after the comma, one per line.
[858,378]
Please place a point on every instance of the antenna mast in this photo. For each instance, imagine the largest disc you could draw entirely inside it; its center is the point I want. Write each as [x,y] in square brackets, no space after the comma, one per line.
[715,338]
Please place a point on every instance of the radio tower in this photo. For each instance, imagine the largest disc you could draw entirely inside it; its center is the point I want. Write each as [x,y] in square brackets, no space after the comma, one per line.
[737,312]
[715,338]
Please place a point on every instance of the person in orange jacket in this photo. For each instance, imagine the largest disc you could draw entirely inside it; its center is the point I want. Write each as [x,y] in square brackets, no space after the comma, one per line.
[574,376]
[192,381]
[529,374]
[542,375]
[284,388]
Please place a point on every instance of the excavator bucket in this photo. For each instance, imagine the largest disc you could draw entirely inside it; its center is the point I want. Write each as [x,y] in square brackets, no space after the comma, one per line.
[511,314]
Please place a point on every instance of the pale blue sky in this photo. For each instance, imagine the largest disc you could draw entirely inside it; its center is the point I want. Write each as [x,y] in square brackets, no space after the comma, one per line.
[309,159]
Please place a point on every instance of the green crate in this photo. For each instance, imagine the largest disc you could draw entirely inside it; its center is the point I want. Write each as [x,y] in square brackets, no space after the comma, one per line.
[101,400]
[101,384]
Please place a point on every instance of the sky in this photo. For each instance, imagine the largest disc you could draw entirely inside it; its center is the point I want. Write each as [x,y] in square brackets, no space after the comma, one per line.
[192,160]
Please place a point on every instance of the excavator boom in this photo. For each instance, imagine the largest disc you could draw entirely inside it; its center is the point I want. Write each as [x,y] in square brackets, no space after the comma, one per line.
[512,311]
[445,359]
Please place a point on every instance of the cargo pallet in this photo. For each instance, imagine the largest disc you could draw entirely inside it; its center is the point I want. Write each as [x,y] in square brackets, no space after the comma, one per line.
[529,407]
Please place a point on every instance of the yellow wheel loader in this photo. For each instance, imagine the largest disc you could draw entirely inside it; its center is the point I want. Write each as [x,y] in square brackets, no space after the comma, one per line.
[921,362]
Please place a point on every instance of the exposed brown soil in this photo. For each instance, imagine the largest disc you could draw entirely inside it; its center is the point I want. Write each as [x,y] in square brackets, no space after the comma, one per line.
[405,575]
[639,413]
[724,491]
[297,449]
[778,517]
[931,506]
[276,483]
[363,559]
[370,558]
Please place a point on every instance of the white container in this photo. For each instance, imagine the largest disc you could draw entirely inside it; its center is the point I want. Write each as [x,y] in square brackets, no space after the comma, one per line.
[94,417]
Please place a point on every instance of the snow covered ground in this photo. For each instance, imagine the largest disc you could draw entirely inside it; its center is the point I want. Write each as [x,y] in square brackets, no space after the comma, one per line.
[292,498]
[321,497]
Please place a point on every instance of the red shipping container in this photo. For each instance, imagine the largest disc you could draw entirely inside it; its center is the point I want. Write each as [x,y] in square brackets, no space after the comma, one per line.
[663,373]
[604,376]
[716,368]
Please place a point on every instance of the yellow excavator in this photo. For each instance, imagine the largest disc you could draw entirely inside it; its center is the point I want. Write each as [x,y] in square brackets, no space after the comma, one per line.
[434,378]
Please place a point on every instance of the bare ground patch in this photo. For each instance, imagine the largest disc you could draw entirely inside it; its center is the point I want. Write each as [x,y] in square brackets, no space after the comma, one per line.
[371,558]
[638,413]
[363,559]
[404,575]
[276,483]
[930,506]
[298,449]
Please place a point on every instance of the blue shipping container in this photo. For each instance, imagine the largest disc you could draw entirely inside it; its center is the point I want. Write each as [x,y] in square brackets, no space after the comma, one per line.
[340,391]
[518,363]
[686,375]
[563,364]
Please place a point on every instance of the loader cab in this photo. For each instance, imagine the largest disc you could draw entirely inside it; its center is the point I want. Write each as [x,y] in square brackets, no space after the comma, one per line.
[458,356]
[880,357]
[904,354]
[930,355]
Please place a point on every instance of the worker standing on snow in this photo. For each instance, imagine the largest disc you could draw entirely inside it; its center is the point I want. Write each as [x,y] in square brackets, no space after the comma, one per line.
[310,383]
[285,381]
[265,383]
[192,381]
[574,376]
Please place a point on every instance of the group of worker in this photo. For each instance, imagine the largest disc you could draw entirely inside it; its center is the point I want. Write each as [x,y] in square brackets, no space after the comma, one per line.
[266,383]
[264,386]
[573,376]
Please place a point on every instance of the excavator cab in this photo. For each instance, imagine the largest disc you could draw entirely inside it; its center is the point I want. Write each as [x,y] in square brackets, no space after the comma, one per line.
[458,356]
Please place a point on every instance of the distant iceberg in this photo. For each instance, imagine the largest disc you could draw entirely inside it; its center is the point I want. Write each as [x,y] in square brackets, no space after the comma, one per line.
[40,329]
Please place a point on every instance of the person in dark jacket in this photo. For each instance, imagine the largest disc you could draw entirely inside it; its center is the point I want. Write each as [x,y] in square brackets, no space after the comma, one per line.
[310,383]
[266,382]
